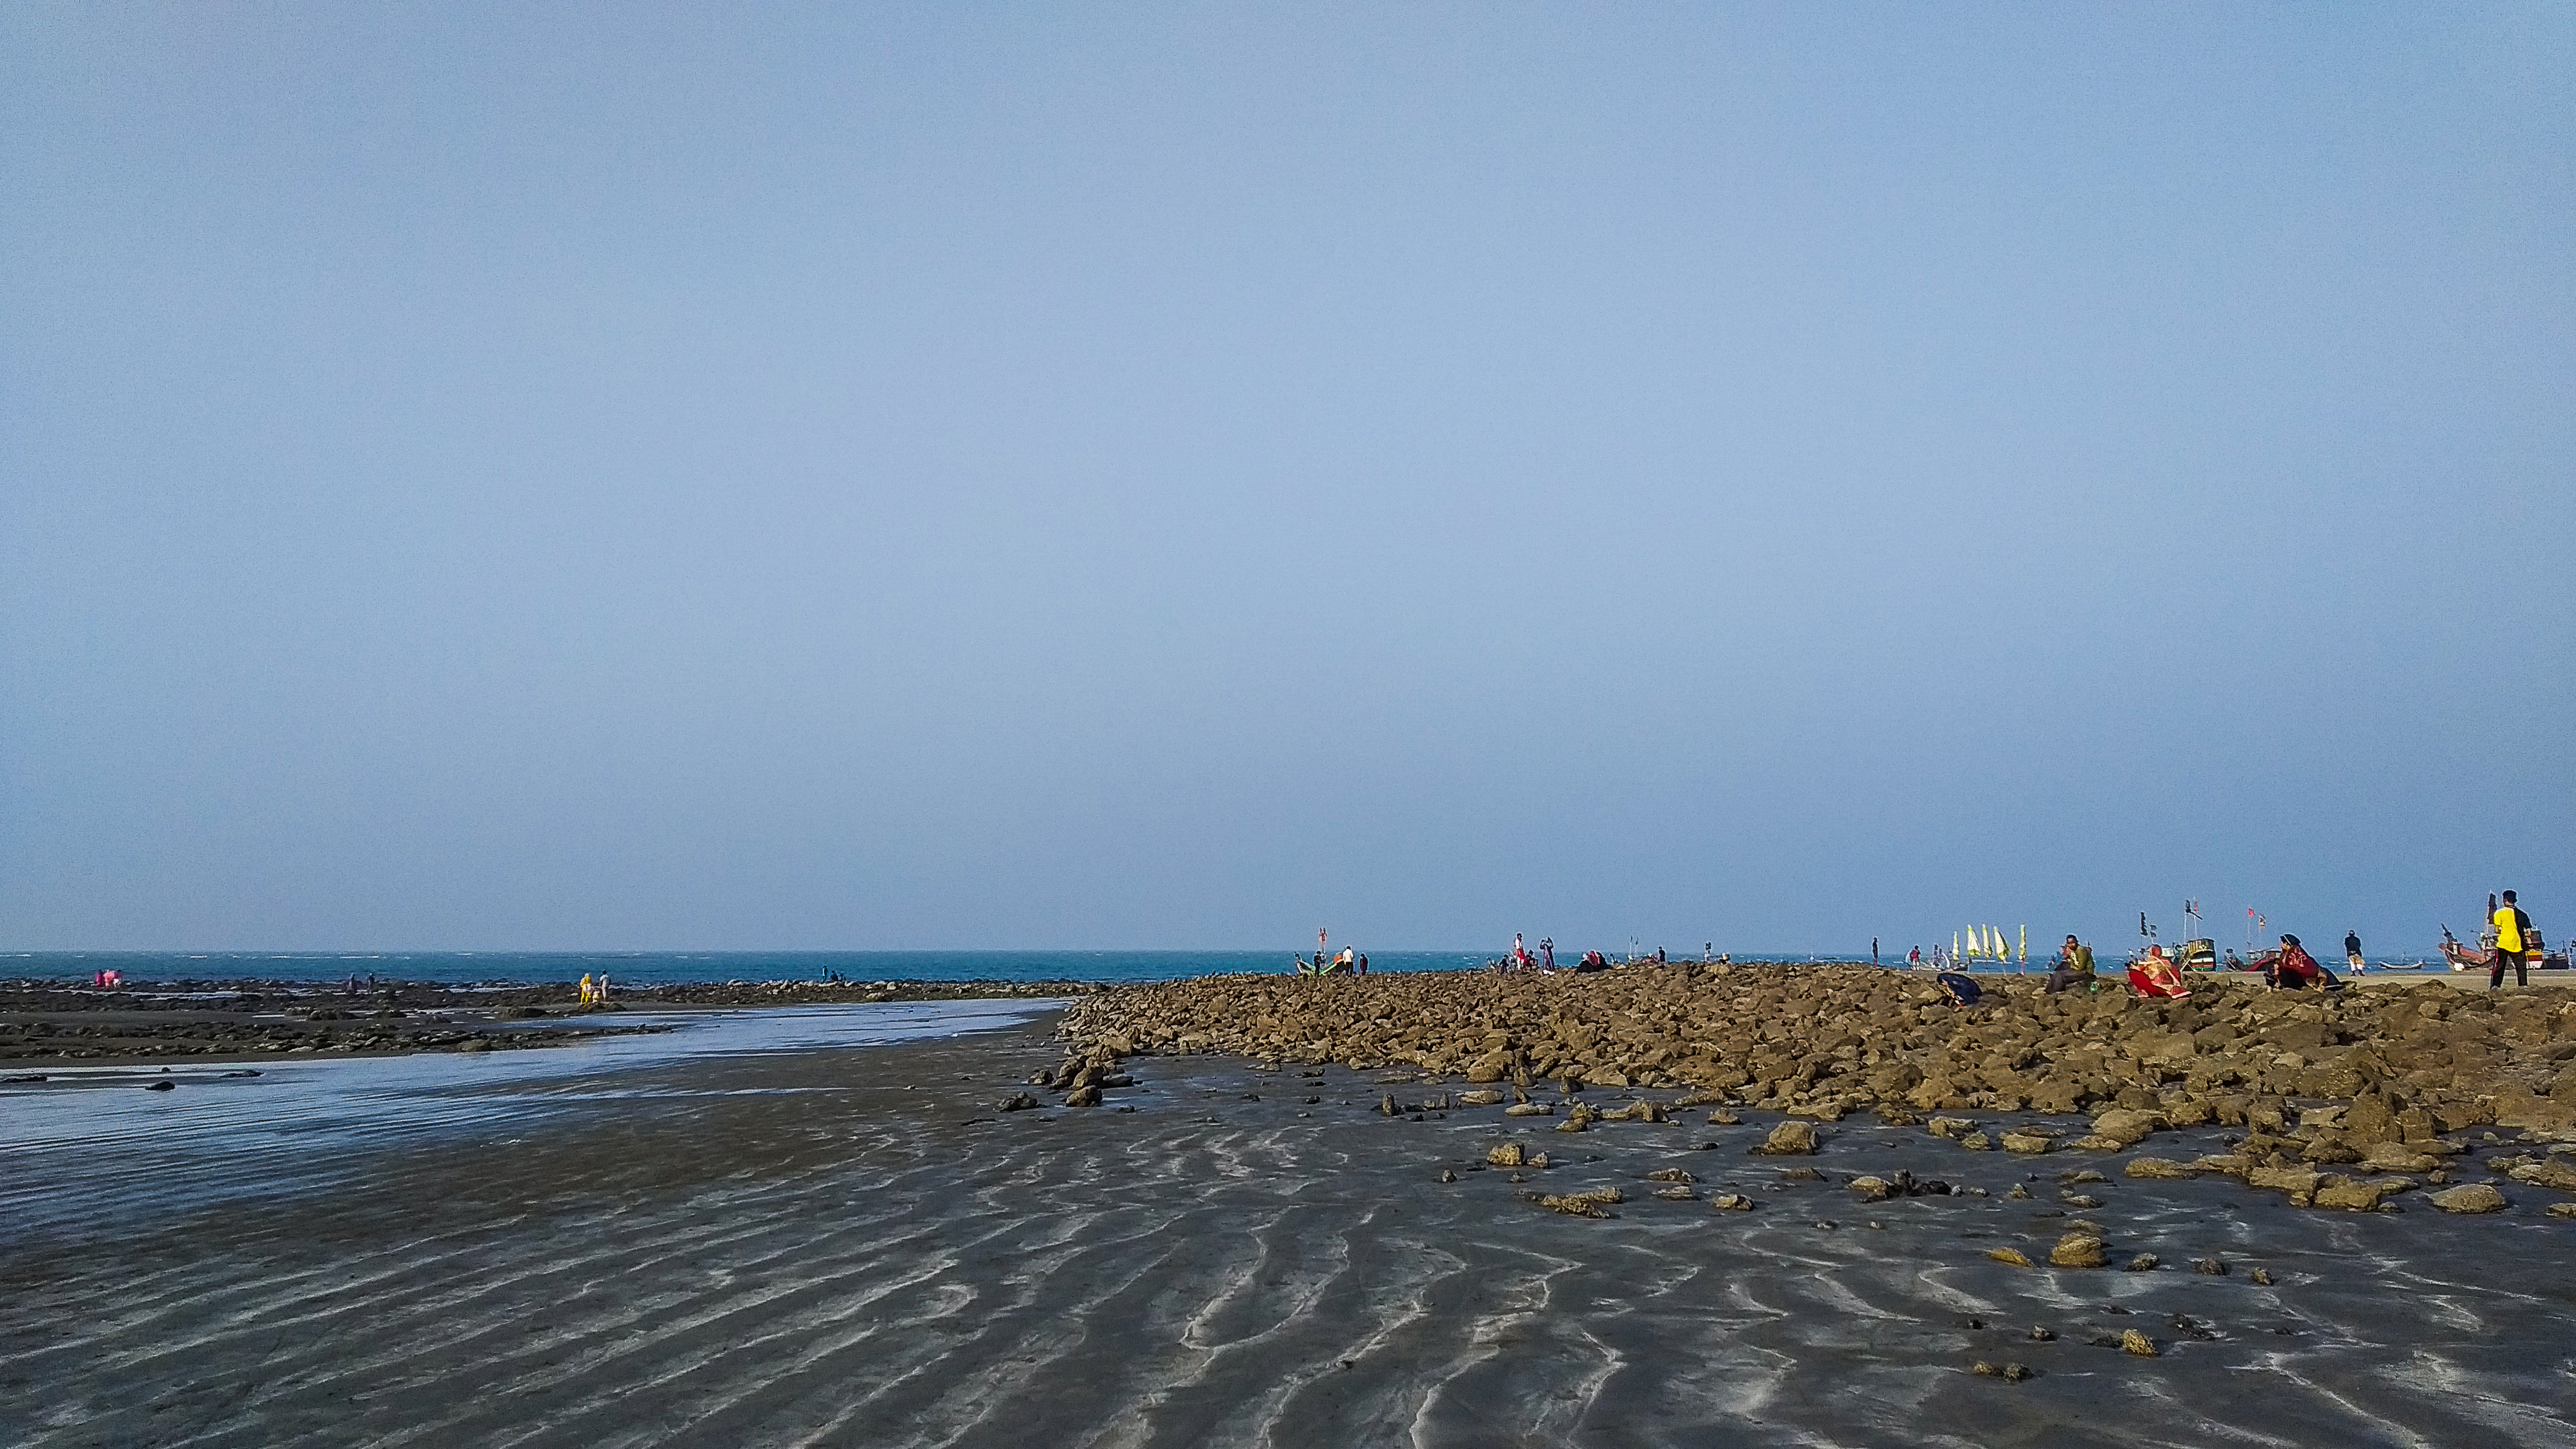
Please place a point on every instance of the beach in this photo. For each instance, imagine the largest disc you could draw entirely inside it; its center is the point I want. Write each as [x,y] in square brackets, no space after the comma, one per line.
[792,1241]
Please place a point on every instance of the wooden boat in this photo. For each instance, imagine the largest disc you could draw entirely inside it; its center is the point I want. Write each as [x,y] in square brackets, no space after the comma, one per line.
[2476,958]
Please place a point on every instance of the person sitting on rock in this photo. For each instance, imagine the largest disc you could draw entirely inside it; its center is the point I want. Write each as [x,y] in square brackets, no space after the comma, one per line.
[1962,991]
[2295,970]
[2153,975]
[2074,967]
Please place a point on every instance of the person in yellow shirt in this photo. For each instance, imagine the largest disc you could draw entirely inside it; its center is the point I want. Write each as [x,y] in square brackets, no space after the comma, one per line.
[585,988]
[2512,938]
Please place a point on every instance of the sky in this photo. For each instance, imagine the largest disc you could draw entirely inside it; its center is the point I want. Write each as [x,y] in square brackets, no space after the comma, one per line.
[842,477]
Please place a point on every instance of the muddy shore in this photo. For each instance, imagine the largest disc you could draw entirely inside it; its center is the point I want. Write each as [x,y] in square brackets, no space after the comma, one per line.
[860,1247]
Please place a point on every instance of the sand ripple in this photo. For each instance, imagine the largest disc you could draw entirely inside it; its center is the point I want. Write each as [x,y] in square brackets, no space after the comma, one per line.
[819,1249]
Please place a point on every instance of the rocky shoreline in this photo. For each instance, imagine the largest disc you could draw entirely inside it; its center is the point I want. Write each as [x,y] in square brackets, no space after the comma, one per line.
[44,1022]
[2392,1084]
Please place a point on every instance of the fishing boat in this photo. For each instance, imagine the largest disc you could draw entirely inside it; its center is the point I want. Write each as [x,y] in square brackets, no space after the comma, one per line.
[2477,958]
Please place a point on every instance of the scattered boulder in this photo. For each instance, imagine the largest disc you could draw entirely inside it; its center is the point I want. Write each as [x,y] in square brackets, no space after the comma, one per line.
[2132,1341]
[1018,1102]
[2128,1127]
[2078,1250]
[1789,1139]
[2475,1197]
[1510,1154]
[1733,1202]
[2014,1256]
[2143,1263]
[2146,1168]
[2027,1142]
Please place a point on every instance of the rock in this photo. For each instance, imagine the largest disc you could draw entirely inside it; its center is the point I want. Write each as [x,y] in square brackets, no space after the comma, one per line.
[1983,1369]
[2561,1210]
[1789,1139]
[1733,1202]
[1724,1118]
[1951,1127]
[1574,1205]
[1669,1174]
[2299,1182]
[2043,1335]
[2014,1256]
[1510,1154]
[2027,1142]
[2098,1143]
[2015,1373]
[2553,1173]
[1677,1193]
[2259,1277]
[1448,1176]
[1976,1142]
[2215,1267]
[1872,1189]
[2138,1343]
[2359,1196]
[2128,1128]
[2475,1197]
[2084,1200]
[1018,1102]
[2018,1192]
[1083,1097]
[2399,1157]
[2077,1250]
[162,1086]
[1529,1109]
[2143,1263]
[1800,1174]
[2158,1167]
[1386,1105]
[1484,1098]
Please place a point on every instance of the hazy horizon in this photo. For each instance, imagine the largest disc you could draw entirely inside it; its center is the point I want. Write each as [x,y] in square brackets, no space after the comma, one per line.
[531,478]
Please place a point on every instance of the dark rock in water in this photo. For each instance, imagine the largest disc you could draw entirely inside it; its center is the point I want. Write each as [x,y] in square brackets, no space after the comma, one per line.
[1801,1174]
[2144,1262]
[1018,1102]
[2043,1335]
[2138,1343]
[1386,1105]
[2017,1372]
[1731,1202]
[1972,1323]
[2261,1277]
[2190,1327]
[2217,1267]
[161,1086]
[1448,1176]
[1085,1096]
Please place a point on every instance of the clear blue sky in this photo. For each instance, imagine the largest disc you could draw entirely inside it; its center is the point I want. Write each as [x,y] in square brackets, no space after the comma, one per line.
[880,476]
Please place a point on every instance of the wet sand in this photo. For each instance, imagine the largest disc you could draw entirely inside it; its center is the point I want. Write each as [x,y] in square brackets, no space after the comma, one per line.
[856,1246]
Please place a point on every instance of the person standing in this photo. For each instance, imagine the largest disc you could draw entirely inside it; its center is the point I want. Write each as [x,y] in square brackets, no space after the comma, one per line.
[2512,936]
[1547,953]
[2352,949]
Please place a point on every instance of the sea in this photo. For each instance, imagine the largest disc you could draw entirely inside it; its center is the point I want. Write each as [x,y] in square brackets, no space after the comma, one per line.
[672,968]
